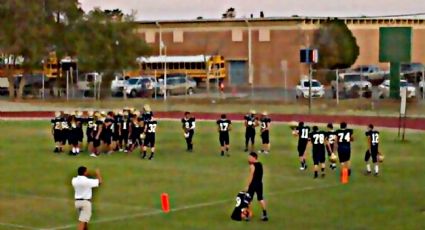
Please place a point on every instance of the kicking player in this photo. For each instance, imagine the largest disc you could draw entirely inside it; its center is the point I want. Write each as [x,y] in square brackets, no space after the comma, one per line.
[57,131]
[373,150]
[224,126]
[344,139]
[265,132]
[318,139]
[302,132]
[330,146]
[241,210]
[251,121]
[255,182]
[188,125]
[150,131]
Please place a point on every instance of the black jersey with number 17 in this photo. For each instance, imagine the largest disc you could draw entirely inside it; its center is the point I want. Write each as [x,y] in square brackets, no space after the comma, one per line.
[224,125]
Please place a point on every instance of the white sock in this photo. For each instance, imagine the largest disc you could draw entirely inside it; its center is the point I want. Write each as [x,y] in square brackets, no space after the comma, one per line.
[73,149]
[78,150]
[368,167]
[376,169]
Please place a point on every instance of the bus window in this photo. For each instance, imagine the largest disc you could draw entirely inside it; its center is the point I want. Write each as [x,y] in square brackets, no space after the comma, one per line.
[187,65]
[143,66]
[181,64]
[154,66]
[169,65]
[199,65]
[203,65]
[160,65]
[193,65]
[222,65]
[176,65]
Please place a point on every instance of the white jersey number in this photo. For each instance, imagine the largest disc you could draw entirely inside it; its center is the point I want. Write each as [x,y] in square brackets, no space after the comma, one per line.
[345,137]
[375,138]
[319,139]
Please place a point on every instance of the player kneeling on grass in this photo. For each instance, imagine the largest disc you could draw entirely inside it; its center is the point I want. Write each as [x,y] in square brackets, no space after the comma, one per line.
[318,140]
[373,149]
[241,210]
[150,130]
[265,132]
[255,182]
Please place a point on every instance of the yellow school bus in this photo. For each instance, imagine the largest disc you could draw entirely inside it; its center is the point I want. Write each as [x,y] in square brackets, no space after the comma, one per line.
[199,67]
[12,66]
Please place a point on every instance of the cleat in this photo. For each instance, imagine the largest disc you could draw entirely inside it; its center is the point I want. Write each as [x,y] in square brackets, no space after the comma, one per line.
[264,218]
[367,173]
[266,152]
[376,174]
[93,155]
[246,150]
[150,158]
[302,168]
[322,175]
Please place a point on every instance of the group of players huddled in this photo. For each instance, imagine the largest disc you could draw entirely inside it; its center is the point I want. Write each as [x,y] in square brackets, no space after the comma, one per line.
[334,141]
[121,130]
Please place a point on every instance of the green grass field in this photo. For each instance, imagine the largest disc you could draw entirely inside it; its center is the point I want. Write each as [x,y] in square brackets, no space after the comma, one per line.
[36,192]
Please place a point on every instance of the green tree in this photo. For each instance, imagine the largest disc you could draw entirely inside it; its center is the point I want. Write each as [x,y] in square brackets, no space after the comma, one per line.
[108,45]
[337,46]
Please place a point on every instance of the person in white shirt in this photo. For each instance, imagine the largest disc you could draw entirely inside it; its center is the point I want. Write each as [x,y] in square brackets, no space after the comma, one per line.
[83,195]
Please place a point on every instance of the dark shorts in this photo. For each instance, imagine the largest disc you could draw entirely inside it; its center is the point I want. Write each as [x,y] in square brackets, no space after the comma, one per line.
[136,141]
[265,137]
[224,138]
[302,146]
[373,153]
[80,135]
[65,136]
[107,139]
[124,135]
[115,137]
[89,134]
[250,135]
[344,153]
[318,157]
[96,143]
[149,140]
[257,189]
[57,135]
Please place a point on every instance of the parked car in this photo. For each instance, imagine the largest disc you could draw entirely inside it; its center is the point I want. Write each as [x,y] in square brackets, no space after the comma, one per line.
[352,85]
[412,72]
[4,86]
[140,86]
[421,87]
[302,89]
[370,72]
[117,85]
[87,81]
[177,84]
[384,89]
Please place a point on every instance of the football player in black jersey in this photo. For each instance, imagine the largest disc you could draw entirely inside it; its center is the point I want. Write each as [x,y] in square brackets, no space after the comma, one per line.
[135,131]
[89,120]
[116,130]
[57,131]
[125,126]
[80,133]
[241,210]
[265,132]
[73,134]
[107,132]
[251,121]
[318,139]
[97,130]
[65,129]
[255,182]
[188,126]
[344,138]
[330,146]
[224,126]
[373,150]
[150,131]
[302,132]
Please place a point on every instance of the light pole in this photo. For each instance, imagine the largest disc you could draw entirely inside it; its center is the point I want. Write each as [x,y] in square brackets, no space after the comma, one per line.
[165,68]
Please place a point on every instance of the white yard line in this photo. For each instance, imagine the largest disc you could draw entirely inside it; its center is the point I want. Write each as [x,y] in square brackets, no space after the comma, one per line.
[199,205]
[9,225]
[133,207]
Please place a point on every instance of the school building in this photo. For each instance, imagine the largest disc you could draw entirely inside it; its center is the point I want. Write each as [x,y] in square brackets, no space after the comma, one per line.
[258,50]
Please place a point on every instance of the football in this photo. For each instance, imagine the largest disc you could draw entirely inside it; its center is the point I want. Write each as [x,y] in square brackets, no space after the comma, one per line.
[380,157]
[333,158]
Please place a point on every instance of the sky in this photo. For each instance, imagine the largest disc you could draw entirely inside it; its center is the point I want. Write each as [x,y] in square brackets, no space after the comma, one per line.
[190,9]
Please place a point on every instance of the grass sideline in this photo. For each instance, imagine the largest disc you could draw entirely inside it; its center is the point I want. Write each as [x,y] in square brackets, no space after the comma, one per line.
[36,191]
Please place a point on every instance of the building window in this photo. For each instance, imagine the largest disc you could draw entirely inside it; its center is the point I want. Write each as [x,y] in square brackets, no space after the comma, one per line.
[177,36]
[264,35]
[237,35]
[150,36]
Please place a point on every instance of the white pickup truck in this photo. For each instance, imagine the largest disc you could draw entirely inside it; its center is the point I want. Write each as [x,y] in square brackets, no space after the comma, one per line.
[370,72]
[302,89]
[351,85]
